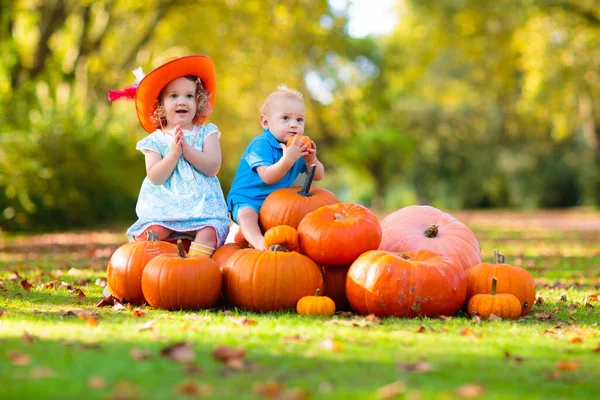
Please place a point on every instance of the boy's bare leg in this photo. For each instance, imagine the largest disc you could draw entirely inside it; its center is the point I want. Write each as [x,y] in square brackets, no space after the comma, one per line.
[248,221]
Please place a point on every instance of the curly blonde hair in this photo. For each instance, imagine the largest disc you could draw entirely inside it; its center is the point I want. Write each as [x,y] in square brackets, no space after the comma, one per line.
[159,117]
[282,92]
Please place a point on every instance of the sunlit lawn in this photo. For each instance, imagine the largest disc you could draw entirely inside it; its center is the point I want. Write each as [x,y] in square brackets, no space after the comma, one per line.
[54,342]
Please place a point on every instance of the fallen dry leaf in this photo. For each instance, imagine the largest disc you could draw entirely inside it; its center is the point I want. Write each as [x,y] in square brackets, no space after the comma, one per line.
[494,317]
[225,353]
[106,302]
[553,375]
[543,315]
[373,319]
[139,355]
[593,297]
[242,321]
[576,340]
[146,326]
[181,352]
[138,313]
[391,390]
[568,365]
[268,389]
[420,366]
[193,388]
[421,329]
[26,285]
[295,338]
[597,349]
[470,390]
[27,338]
[96,382]
[118,306]
[14,276]
[18,358]
[196,317]
[41,372]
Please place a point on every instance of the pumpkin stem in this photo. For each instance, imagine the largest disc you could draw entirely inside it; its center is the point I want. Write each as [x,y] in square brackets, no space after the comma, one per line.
[338,217]
[180,249]
[498,258]
[317,292]
[151,236]
[404,255]
[432,231]
[305,191]
[278,247]
[494,281]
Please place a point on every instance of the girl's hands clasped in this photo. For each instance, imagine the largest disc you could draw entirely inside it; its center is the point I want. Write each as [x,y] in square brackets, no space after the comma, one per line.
[179,144]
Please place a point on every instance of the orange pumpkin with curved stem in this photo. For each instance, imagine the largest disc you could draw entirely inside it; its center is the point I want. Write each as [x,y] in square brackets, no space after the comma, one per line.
[335,235]
[270,280]
[283,235]
[511,279]
[287,206]
[301,141]
[411,284]
[427,228]
[505,306]
[175,282]
[124,271]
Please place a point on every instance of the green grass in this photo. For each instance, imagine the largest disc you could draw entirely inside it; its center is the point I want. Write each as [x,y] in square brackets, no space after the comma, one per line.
[86,353]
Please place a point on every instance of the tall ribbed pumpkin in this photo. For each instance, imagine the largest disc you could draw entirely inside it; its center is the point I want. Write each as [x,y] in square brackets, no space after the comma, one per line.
[270,280]
[427,228]
[175,282]
[287,206]
[124,271]
[511,279]
[335,235]
[411,284]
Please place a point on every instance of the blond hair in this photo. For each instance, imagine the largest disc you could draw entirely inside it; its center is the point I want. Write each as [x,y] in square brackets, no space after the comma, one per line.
[282,92]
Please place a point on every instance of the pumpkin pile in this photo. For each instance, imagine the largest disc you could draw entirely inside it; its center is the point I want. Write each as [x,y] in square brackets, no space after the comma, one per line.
[324,256]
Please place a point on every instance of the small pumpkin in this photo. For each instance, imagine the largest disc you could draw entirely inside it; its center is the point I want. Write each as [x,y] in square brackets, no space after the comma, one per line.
[337,234]
[301,141]
[269,280]
[511,279]
[316,305]
[175,282]
[505,306]
[283,235]
[125,267]
[287,206]
[420,283]
[427,228]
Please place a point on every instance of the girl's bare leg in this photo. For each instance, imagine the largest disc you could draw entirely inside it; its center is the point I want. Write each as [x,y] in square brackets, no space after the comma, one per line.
[162,233]
[205,242]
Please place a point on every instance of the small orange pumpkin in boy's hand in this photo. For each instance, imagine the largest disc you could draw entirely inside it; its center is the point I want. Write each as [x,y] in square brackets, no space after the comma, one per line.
[303,140]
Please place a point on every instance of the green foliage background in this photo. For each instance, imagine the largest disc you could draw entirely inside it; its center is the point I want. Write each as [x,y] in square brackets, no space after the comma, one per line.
[466,104]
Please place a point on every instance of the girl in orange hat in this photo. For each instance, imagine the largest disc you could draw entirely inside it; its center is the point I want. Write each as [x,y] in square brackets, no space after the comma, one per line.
[181,193]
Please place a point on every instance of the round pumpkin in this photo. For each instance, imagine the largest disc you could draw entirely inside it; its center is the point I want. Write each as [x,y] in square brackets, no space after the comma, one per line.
[511,279]
[287,206]
[176,281]
[125,267]
[222,254]
[427,228]
[505,306]
[334,279]
[301,141]
[270,280]
[411,284]
[335,235]
[283,235]
[316,305]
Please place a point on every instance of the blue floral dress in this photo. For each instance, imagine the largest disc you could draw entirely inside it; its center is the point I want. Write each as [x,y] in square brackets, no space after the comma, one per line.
[188,200]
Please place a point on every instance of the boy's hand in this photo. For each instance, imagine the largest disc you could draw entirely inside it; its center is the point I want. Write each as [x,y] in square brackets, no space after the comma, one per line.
[311,157]
[292,153]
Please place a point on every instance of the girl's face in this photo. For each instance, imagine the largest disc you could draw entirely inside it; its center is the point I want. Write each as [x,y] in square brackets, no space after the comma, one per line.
[179,102]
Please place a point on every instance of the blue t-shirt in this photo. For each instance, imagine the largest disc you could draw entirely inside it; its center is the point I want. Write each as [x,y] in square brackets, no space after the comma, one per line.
[247,187]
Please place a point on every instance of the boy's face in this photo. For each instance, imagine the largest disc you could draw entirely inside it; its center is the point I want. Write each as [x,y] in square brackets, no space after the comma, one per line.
[284,118]
[179,101]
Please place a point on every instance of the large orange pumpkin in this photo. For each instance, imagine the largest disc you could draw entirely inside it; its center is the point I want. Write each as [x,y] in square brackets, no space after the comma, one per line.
[334,279]
[124,272]
[511,279]
[427,228]
[287,206]
[335,235]
[270,280]
[420,283]
[175,282]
